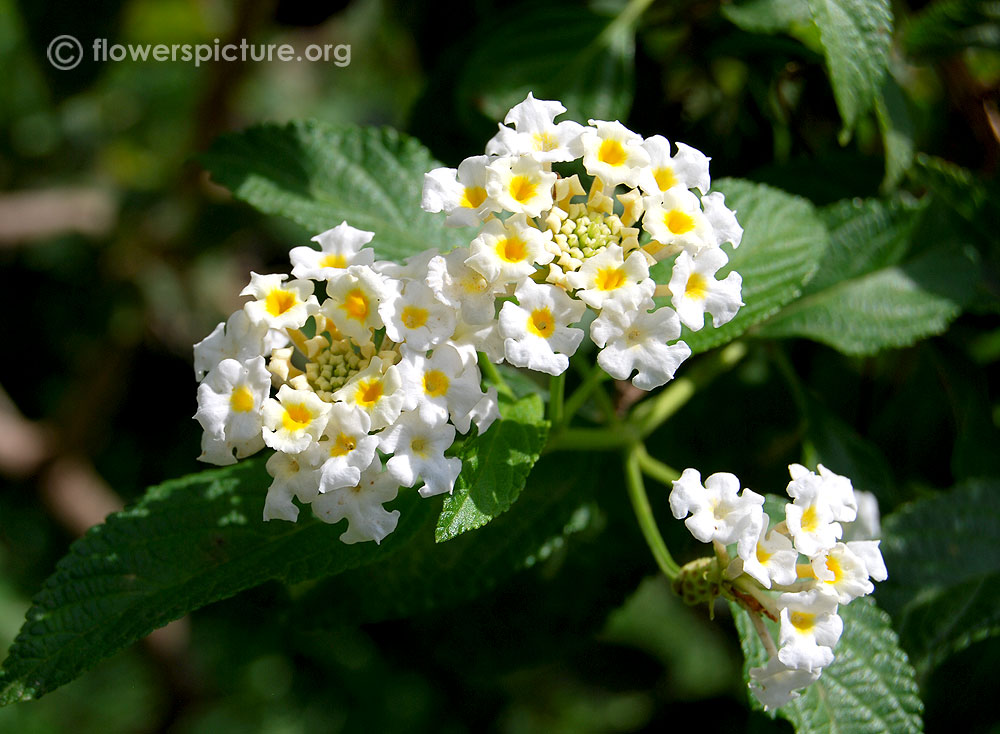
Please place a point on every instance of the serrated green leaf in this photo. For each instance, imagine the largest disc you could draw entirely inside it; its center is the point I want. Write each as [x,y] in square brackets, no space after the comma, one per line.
[783,242]
[944,570]
[571,54]
[495,467]
[856,35]
[767,16]
[320,175]
[870,688]
[187,543]
[951,26]
[861,301]
[975,200]
[556,502]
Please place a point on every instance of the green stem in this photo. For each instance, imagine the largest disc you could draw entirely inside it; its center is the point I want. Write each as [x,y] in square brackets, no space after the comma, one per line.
[579,396]
[493,375]
[644,512]
[557,390]
[588,439]
[655,468]
[651,414]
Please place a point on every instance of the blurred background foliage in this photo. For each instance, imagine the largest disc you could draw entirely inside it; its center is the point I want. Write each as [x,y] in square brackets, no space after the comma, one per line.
[117,253]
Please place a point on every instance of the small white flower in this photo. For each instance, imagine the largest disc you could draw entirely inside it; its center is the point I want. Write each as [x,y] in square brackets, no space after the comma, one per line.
[416,317]
[718,511]
[229,408]
[418,452]
[294,420]
[461,287]
[632,339]
[772,559]
[520,185]
[376,391]
[340,248]
[460,193]
[809,630]
[688,168]
[608,275]
[507,251]
[412,268]
[775,684]
[675,218]
[694,289]
[237,339]
[722,219]
[362,505]
[828,487]
[279,305]
[536,133]
[353,305]
[536,330]
[347,451]
[613,153]
[293,477]
[843,573]
[438,385]
[470,339]
[485,412]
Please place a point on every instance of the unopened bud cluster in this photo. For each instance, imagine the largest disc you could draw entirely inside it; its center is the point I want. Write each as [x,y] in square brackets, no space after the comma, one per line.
[795,572]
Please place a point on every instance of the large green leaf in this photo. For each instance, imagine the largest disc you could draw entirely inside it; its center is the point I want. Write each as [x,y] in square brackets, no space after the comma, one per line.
[320,175]
[767,16]
[862,301]
[567,53]
[870,688]
[495,467]
[944,570]
[555,503]
[783,242]
[896,124]
[949,27]
[187,543]
[856,35]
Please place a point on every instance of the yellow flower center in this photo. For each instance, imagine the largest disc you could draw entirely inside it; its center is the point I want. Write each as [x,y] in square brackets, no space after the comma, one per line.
[436,383]
[835,568]
[522,189]
[278,301]
[541,323]
[802,621]
[333,260]
[472,197]
[356,304]
[297,416]
[419,446]
[343,445]
[413,317]
[545,142]
[512,249]
[678,222]
[611,152]
[241,401]
[368,393]
[697,287]
[609,279]
[810,520]
[665,177]
[762,555]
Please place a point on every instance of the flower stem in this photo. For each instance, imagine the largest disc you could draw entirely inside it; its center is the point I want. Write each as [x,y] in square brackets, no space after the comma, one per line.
[579,396]
[557,391]
[655,468]
[644,512]
[493,375]
[588,439]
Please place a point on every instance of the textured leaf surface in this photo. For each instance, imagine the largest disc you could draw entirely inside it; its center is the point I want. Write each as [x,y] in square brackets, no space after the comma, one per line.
[767,16]
[783,241]
[571,54]
[870,688]
[187,543]
[495,467]
[555,503]
[856,35]
[862,301]
[896,124]
[944,570]
[320,175]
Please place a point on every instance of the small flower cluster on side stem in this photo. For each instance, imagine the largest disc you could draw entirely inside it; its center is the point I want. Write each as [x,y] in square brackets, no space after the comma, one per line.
[795,572]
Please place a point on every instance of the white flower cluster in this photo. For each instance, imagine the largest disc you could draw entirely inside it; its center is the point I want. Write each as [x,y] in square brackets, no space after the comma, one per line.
[384,368]
[766,575]
[557,249]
